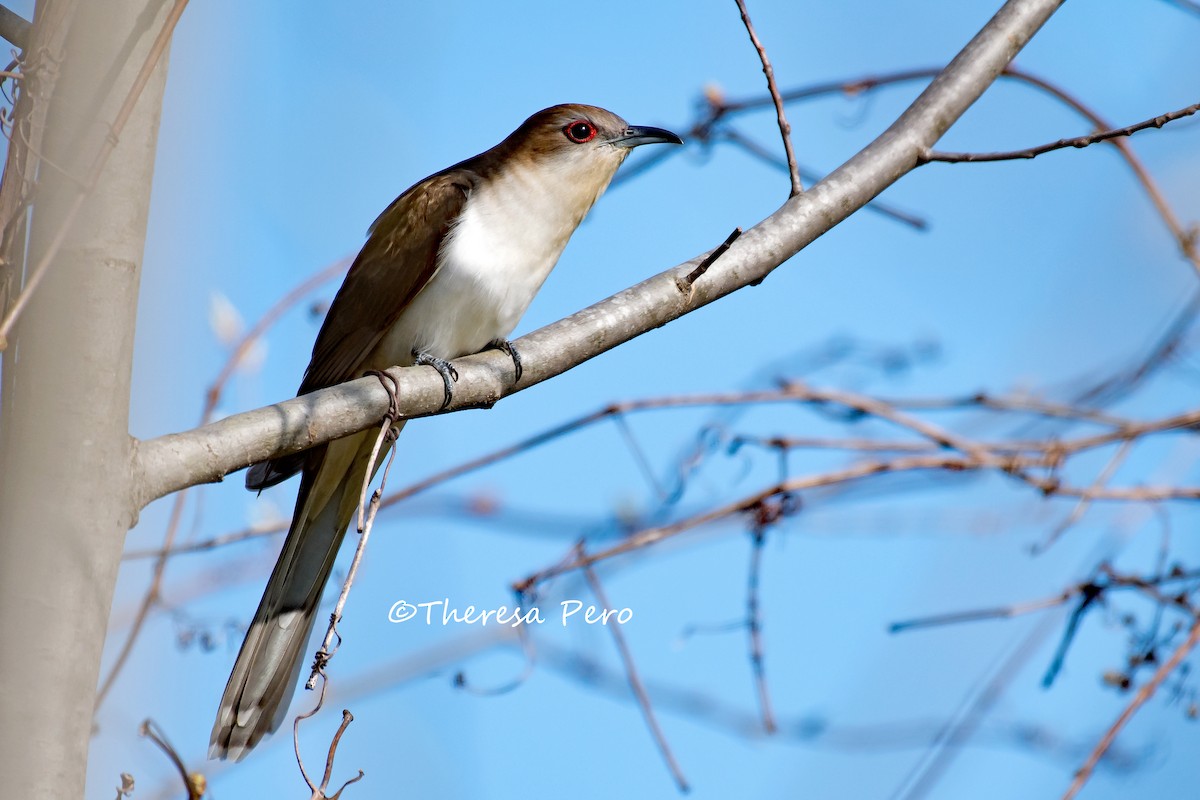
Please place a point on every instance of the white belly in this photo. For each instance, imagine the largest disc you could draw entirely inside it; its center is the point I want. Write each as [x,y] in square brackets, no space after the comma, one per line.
[495,259]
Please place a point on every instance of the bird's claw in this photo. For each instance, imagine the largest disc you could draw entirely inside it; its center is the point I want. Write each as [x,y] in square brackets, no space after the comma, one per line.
[444,368]
[506,346]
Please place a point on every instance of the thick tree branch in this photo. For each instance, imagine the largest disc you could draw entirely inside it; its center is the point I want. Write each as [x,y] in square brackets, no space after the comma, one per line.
[14,27]
[169,463]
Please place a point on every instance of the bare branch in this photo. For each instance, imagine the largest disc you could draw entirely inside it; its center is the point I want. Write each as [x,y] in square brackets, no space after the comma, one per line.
[194,783]
[1106,581]
[635,682]
[1144,693]
[754,626]
[1002,612]
[13,27]
[1081,508]
[366,521]
[320,792]
[1076,142]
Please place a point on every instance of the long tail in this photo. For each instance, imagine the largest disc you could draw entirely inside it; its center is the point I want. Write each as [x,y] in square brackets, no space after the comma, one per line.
[268,666]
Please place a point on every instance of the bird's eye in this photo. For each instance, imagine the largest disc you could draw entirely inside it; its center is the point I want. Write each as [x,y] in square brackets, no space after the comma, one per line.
[580,131]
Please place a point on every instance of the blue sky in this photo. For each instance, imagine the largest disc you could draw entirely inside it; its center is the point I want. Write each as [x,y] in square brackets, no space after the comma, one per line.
[288,127]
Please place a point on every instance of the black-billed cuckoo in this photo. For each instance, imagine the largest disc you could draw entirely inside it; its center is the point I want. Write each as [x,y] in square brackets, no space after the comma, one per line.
[448,269]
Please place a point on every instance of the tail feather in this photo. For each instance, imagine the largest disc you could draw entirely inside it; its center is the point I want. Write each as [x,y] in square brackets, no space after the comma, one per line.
[270,662]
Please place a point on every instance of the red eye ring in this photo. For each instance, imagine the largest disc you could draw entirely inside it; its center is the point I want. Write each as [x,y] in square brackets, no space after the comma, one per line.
[580,131]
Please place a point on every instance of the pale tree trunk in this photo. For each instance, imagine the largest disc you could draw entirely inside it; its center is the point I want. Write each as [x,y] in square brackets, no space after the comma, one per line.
[65,490]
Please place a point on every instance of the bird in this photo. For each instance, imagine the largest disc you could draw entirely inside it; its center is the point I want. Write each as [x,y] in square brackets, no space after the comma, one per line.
[447,270]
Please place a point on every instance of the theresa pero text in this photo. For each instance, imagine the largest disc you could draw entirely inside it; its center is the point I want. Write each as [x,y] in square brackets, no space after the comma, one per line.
[442,612]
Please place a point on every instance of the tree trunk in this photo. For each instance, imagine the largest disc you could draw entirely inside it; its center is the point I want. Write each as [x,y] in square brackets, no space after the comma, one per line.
[65,498]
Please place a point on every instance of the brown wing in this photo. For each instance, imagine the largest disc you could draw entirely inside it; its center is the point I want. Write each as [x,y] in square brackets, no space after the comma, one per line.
[399,258]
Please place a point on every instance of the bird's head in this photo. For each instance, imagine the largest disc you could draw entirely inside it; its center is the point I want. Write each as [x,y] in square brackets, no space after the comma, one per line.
[580,142]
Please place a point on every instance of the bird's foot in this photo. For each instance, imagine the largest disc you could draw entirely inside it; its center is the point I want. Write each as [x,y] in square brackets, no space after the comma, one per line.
[445,369]
[506,346]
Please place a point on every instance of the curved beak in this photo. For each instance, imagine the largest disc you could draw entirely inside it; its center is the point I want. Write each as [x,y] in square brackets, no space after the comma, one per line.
[636,135]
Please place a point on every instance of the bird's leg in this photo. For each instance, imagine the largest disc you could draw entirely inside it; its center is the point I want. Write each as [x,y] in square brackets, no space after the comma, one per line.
[506,346]
[445,369]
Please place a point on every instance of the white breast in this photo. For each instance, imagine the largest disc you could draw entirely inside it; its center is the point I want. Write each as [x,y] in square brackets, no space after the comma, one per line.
[493,262]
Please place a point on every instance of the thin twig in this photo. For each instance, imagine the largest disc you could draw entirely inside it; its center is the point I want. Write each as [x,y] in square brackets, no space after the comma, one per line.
[1017,404]
[785,130]
[1081,507]
[755,149]
[1106,581]
[347,718]
[967,718]
[754,627]
[256,532]
[325,653]
[639,455]
[887,411]
[318,792]
[877,445]
[194,783]
[1002,612]
[1144,693]
[703,266]
[1076,142]
[1089,592]
[635,682]
[528,651]
[366,521]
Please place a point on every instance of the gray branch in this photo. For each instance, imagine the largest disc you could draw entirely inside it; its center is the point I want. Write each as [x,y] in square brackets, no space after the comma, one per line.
[169,463]
[14,27]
